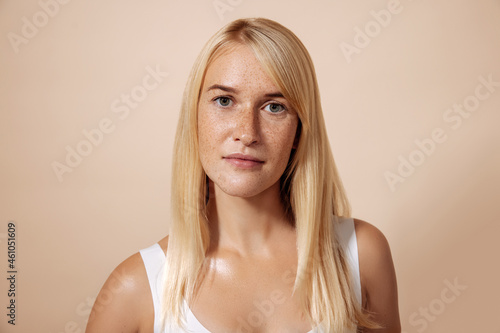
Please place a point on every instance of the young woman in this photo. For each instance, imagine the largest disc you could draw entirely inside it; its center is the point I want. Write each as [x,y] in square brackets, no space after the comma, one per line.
[261,239]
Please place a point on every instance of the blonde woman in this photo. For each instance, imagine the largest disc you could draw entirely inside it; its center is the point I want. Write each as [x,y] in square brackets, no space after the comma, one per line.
[261,239]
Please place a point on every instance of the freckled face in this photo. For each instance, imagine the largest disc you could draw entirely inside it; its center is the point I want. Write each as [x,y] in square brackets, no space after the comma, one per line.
[241,111]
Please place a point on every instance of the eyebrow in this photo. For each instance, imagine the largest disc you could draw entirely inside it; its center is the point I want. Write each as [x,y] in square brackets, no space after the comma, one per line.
[221,87]
[235,91]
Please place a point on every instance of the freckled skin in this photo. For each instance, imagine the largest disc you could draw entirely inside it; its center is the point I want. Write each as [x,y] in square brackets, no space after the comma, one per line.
[254,252]
[245,124]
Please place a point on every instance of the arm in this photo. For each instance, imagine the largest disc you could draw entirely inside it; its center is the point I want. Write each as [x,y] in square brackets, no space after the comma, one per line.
[124,303]
[378,277]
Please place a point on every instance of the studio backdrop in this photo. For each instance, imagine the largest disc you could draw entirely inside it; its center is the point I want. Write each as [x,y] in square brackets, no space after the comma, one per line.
[90,93]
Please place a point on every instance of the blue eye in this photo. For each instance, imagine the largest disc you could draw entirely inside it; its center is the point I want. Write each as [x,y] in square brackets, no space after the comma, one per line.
[274,108]
[223,101]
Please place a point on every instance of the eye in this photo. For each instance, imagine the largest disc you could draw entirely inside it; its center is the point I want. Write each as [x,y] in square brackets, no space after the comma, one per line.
[223,101]
[274,108]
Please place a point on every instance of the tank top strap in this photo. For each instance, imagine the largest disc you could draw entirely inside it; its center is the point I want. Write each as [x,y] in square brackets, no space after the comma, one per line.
[154,260]
[347,238]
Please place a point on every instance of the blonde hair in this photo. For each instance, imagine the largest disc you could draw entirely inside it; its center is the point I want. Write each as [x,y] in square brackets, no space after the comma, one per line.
[312,191]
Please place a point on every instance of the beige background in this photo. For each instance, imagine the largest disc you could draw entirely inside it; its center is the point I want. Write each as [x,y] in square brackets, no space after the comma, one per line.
[441,222]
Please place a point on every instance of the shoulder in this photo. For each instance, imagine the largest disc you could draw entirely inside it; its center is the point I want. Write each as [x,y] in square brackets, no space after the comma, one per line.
[373,251]
[377,274]
[371,241]
[124,302]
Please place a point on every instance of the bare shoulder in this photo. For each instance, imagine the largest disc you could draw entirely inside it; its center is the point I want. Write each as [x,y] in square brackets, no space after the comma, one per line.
[374,254]
[378,276]
[370,239]
[124,303]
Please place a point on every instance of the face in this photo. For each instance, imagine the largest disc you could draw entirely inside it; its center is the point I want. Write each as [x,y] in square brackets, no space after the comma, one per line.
[246,128]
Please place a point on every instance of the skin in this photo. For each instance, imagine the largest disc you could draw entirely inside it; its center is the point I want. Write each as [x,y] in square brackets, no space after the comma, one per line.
[246,208]
[253,243]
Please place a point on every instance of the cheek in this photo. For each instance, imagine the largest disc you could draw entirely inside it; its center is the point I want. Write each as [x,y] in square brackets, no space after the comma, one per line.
[284,136]
[281,143]
[208,137]
[212,127]
[205,128]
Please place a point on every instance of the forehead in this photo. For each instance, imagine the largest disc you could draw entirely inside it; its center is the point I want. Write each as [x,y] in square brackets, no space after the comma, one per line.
[236,66]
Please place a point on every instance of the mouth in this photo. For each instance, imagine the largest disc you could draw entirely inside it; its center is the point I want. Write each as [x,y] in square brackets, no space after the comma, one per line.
[243,161]
[243,157]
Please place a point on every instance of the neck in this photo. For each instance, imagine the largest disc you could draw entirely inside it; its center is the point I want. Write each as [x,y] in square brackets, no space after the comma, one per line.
[247,226]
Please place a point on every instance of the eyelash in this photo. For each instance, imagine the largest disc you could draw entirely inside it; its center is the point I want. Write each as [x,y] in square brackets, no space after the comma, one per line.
[217,100]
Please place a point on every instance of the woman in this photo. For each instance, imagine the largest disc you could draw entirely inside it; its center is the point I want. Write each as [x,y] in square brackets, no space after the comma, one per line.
[260,239]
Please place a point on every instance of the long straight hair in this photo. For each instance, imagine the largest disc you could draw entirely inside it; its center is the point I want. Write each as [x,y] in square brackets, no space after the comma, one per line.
[311,189]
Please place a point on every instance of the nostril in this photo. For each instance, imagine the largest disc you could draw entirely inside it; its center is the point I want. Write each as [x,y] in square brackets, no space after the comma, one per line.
[247,139]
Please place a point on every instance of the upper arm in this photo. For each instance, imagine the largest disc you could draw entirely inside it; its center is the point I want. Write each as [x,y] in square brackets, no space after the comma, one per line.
[378,277]
[124,302]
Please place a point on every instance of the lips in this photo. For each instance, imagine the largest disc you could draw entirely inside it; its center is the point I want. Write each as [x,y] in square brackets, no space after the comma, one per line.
[242,161]
[243,157]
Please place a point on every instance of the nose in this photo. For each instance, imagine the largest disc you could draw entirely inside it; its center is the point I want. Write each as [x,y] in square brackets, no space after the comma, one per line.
[247,129]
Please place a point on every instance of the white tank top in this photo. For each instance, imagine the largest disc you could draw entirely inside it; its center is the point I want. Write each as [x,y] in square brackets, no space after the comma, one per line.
[154,259]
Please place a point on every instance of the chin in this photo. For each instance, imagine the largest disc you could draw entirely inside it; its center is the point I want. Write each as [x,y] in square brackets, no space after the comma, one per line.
[241,192]
[245,188]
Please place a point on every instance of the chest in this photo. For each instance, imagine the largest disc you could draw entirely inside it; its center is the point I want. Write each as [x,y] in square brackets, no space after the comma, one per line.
[249,298]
